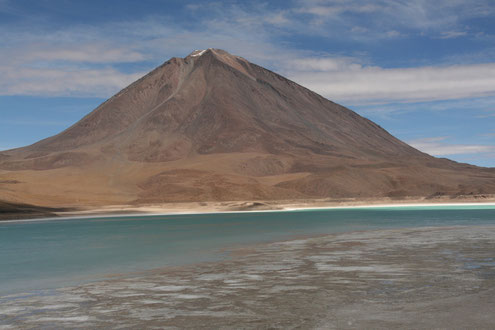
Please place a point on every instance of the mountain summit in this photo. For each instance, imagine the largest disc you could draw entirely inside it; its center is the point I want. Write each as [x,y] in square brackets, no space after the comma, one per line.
[213,126]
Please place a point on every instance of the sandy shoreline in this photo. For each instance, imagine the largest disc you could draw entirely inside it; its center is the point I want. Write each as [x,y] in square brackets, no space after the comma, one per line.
[398,278]
[250,207]
[237,207]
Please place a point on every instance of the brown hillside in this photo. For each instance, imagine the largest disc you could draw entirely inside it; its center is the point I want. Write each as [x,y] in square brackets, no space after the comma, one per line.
[213,127]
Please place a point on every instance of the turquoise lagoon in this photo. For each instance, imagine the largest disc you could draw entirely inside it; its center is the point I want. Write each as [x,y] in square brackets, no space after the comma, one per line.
[38,255]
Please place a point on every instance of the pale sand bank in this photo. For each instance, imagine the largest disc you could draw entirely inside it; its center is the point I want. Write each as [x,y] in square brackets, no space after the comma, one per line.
[275,206]
[402,278]
[252,206]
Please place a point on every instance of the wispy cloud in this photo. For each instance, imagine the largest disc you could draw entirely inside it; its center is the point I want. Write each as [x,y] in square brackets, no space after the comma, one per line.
[91,52]
[452,34]
[84,60]
[63,82]
[437,146]
[440,17]
[43,69]
[350,82]
[472,107]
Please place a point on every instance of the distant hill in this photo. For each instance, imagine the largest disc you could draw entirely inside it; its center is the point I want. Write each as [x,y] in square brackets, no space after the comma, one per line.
[13,211]
[214,127]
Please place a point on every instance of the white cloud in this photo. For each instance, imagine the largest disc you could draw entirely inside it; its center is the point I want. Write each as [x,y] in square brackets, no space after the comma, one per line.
[419,15]
[59,82]
[329,64]
[277,19]
[93,53]
[452,34]
[54,64]
[346,81]
[38,71]
[436,147]
[393,34]
[76,61]
[475,107]
[331,8]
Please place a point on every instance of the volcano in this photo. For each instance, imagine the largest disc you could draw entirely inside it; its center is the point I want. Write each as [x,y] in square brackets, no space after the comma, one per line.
[214,127]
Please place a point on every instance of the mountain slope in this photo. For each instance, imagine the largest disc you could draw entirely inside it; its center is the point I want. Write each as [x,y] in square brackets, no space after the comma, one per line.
[213,126]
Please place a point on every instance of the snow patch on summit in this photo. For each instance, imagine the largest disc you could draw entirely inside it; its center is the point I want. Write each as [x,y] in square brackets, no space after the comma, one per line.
[198,52]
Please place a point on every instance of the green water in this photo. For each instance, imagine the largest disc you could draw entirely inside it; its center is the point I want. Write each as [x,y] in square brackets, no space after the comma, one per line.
[49,254]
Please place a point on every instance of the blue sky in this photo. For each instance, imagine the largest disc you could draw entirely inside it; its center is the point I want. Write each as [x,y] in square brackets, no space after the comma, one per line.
[423,70]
